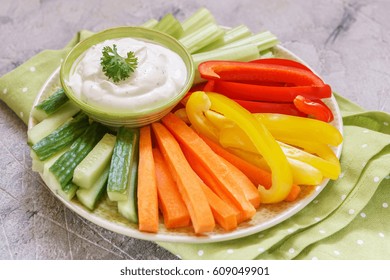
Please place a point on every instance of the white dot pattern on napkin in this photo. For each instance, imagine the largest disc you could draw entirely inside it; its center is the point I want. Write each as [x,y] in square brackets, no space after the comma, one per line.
[261,249]
[343,197]
[230,251]
[24,89]
[386,123]
[200,253]
[291,250]
[336,252]
[360,242]
[5,91]
[351,211]
[32,69]
[385,205]
[381,234]
[364,145]
[363,215]
[376,179]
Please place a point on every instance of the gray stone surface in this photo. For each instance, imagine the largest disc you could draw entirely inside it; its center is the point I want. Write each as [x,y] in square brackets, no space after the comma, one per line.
[346,42]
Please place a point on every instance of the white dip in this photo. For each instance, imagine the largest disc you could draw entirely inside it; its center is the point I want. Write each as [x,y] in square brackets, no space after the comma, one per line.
[159,76]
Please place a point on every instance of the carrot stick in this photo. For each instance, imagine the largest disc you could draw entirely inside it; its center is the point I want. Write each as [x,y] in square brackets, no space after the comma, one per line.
[147,186]
[257,175]
[171,204]
[213,184]
[250,190]
[189,186]
[224,215]
[210,160]
[294,193]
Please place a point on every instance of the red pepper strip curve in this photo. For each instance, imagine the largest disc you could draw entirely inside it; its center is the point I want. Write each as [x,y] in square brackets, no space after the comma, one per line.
[282,61]
[269,107]
[316,109]
[257,73]
[268,93]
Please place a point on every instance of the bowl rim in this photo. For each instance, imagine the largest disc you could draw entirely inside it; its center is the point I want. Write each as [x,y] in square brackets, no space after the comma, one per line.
[93,40]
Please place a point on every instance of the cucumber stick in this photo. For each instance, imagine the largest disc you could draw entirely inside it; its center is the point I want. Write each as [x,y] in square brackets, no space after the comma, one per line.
[64,166]
[129,208]
[51,123]
[49,105]
[93,165]
[122,158]
[62,137]
[90,197]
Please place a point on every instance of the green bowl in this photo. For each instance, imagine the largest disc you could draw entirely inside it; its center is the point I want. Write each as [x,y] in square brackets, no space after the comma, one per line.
[131,118]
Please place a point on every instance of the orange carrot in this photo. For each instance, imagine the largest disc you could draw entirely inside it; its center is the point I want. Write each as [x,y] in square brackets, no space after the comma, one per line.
[210,160]
[257,175]
[147,186]
[250,190]
[189,185]
[224,215]
[213,184]
[171,204]
[294,193]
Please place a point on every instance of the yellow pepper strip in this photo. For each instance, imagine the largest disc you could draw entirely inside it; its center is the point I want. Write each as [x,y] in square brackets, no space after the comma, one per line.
[234,137]
[319,149]
[264,143]
[303,173]
[282,126]
[328,169]
[196,105]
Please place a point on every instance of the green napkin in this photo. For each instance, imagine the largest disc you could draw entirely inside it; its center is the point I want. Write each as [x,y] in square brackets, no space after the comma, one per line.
[348,220]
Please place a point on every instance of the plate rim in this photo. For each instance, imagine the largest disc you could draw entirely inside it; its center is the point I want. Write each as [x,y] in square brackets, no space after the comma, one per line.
[218,237]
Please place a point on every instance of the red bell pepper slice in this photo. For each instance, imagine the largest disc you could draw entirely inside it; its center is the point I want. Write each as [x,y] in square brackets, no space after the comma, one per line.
[257,73]
[316,109]
[267,93]
[282,61]
[269,107]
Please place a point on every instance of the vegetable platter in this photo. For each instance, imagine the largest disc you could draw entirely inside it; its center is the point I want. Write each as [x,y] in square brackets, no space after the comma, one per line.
[215,128]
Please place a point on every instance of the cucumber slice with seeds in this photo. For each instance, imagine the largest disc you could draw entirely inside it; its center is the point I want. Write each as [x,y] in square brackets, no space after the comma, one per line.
[121,161]
[92,166]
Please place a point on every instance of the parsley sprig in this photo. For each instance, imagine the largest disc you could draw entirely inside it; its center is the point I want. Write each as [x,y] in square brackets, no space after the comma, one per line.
[116,67]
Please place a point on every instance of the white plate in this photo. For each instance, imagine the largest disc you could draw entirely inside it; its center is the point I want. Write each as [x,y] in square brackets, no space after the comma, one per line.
[106,214]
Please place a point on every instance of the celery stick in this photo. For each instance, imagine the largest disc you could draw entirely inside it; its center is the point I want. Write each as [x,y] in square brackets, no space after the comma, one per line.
[196,21]
[170,25]
[267,53]
[263,41]
[150,23]
[231,35]
[238,53]
[202,37]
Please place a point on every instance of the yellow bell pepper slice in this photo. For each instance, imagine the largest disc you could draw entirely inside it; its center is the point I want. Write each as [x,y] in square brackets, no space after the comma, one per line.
[234,137]
[197,104]
[264,143]
[302,172]
[285,126]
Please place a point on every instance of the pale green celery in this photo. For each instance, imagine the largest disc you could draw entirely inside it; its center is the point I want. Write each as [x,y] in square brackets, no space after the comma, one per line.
[202,37]
[196,21]
[170,25]
[230,36]
[151,23]
[239,53]
[263,41]
[267,53]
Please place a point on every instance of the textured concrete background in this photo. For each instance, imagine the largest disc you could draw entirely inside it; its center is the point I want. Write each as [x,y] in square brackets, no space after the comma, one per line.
[346,42]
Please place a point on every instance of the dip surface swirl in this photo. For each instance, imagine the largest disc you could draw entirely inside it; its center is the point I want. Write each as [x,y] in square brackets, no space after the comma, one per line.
[159,77]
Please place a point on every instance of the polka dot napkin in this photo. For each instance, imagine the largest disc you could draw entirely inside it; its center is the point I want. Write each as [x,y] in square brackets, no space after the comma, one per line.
[350,219]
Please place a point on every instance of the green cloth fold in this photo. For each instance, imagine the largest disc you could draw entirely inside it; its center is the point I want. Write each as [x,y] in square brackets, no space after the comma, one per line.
[349,219]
